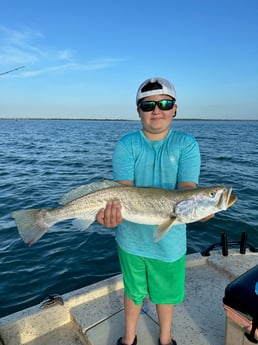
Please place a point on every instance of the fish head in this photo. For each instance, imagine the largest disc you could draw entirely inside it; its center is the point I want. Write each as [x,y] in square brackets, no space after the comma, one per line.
[201,202]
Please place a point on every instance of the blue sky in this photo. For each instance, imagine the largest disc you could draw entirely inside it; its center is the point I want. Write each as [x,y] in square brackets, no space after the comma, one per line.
[86,58]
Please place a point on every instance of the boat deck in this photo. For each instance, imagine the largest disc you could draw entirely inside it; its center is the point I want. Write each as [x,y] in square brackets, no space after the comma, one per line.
[94,315]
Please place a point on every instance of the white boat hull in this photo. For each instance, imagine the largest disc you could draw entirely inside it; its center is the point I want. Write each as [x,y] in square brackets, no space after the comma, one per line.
[94,314]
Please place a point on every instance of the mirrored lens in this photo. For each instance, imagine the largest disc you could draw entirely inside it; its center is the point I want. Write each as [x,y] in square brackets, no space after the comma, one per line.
[164,104]
[147,105]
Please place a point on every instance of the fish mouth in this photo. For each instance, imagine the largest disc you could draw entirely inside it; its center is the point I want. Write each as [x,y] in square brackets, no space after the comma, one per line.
[232,200]
[226,199]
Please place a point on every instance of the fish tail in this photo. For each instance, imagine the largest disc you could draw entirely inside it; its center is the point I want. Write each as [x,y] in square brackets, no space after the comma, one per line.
[32,224]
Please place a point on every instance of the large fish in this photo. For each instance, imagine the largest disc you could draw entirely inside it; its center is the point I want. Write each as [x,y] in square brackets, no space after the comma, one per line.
[142,205]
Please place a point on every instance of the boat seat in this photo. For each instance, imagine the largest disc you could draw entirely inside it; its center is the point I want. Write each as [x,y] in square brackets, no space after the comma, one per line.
[241,295]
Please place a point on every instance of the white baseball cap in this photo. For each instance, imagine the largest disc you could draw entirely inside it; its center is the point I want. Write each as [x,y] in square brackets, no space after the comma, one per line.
[167,89]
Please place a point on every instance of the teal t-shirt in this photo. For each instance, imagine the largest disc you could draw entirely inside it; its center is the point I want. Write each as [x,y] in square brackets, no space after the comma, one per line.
[163,164]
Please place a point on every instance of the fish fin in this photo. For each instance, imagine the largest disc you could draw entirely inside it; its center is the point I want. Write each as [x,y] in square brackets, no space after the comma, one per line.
[82,224]
[31,224]
[163,228]
[87,189]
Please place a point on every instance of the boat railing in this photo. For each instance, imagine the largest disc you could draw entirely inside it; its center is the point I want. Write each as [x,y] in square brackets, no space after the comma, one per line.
[224,244]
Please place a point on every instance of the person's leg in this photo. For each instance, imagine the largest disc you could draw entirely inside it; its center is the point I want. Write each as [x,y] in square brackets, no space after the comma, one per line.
[135,289]
[165,316]
[132,312]
[166,288]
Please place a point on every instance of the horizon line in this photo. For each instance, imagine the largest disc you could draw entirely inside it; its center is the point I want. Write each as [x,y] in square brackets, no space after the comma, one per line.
[116,119]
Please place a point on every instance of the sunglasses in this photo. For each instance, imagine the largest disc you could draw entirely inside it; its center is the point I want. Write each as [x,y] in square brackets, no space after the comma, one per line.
[163,104]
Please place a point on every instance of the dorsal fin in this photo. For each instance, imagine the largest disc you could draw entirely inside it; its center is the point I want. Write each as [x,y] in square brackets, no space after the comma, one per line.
[87,189]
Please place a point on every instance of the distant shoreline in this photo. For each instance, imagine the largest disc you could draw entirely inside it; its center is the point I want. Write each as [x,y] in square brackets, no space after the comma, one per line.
[110,120]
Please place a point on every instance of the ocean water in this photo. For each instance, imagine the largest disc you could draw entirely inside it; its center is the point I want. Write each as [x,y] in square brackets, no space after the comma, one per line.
[40,160]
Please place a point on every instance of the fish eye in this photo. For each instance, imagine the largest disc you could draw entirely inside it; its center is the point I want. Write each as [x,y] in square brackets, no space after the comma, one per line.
[212,194]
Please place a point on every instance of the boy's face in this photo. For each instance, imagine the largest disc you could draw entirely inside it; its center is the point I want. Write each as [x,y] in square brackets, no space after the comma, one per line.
[156,123]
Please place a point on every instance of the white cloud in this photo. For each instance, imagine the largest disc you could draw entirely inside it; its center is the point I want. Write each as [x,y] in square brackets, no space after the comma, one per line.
[18,47]
[66,54]
[88,66]
[24,48]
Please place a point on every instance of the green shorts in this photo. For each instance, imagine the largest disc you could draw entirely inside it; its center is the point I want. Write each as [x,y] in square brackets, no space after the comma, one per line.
[162,281]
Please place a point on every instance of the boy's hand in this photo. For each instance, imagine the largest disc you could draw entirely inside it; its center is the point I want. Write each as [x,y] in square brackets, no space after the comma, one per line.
[110,216]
